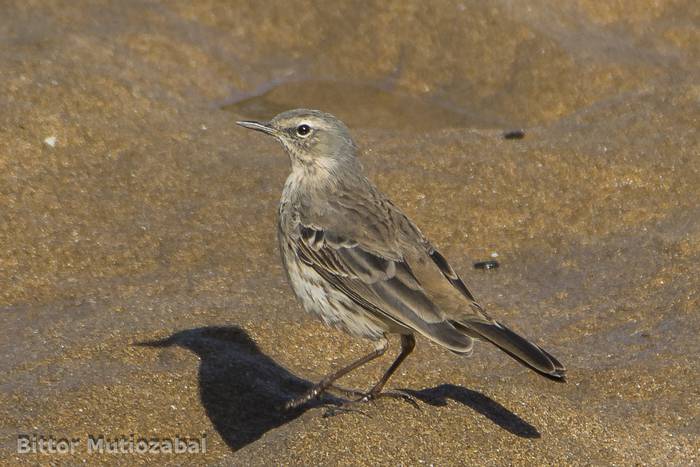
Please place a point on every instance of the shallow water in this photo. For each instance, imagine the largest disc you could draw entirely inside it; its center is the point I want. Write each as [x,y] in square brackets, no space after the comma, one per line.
[153,216]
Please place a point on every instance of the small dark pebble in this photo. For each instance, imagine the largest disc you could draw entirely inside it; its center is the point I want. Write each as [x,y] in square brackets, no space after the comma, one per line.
[514,134]
[486,264]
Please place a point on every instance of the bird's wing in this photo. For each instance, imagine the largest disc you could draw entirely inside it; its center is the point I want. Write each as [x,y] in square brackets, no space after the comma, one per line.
[391,270]
[384,286]
[445,288]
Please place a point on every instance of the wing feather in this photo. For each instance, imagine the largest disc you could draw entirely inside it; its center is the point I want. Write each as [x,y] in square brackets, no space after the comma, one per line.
[385,287]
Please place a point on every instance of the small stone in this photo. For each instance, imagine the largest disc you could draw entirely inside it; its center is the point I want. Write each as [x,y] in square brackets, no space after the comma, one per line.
[486,265]
[514,134]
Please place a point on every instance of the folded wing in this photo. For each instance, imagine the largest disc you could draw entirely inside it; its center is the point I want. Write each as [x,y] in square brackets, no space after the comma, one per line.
[382,286]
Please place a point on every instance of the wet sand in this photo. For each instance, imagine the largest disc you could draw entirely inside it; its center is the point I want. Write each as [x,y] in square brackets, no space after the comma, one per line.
[140,287]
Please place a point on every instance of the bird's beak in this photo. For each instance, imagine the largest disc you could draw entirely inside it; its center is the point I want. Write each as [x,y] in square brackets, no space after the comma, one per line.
[257,126]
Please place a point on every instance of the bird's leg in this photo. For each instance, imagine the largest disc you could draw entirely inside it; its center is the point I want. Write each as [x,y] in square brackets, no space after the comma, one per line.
[326,382]
[408,343]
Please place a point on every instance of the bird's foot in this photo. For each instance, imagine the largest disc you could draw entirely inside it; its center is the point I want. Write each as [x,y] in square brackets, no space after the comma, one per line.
[349,406]
[393,393]
[349,392]
[312,393]
[364,396]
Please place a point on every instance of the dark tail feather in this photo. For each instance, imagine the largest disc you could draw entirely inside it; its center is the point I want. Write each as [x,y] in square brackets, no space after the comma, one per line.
[517,347]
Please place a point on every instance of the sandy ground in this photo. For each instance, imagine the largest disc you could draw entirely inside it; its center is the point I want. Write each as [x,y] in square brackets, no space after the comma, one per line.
[133,210]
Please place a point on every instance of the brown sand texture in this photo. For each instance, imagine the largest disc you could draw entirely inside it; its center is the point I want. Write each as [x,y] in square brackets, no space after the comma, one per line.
[133,209]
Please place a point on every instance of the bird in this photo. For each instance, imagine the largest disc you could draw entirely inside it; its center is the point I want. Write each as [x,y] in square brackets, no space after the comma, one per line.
[355,259]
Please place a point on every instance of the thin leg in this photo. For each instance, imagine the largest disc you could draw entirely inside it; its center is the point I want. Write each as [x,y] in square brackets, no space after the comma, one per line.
[408,343]
[326,382]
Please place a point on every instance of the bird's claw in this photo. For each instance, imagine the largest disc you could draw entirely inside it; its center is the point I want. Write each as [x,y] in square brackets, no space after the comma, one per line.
[363,396]
[312,393]
[360,396]
[393,393]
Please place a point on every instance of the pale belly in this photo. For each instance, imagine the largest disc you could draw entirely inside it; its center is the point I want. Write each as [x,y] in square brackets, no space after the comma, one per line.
[332,306]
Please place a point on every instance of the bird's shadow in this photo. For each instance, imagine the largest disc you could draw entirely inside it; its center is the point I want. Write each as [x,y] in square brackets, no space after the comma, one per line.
[479,402]
[243,390]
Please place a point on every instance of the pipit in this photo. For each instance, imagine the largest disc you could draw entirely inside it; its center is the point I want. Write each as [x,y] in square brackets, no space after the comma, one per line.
[359,263]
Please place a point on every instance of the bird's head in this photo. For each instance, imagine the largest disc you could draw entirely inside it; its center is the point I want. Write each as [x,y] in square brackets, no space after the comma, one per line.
[313,139]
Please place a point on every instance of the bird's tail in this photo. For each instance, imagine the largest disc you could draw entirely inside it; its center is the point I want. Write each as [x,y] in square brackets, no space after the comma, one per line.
[521,349]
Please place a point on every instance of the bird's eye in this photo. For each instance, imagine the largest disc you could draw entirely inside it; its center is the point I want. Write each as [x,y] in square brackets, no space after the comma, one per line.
[303,130]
